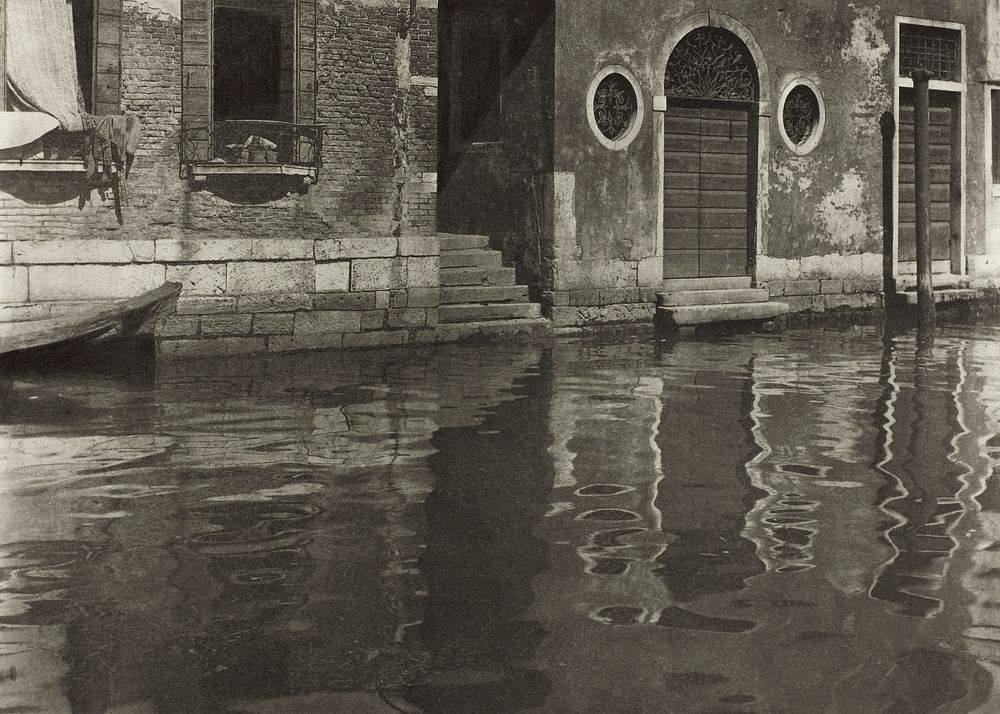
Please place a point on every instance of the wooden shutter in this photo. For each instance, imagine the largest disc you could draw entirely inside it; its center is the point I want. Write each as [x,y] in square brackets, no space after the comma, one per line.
[306,62]
[108,57]
[196,76]
[995,113]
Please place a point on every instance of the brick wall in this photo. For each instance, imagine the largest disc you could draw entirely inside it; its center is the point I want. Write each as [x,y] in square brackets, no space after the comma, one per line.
[359,55]
[266,262]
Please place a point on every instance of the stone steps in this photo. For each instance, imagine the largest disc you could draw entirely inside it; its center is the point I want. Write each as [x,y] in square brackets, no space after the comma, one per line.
[457,277]
[700,301]
[938,280]
[484,294]
[686,315]
[673,285]
[941,297]
[712,297]
[477,312]
[476,289]
[453,241]
[475,258]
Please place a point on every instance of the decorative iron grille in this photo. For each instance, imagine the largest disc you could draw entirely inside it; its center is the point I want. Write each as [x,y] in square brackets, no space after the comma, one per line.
[252,142]
[800,114]
[935,49]
[711,63]
[615,106]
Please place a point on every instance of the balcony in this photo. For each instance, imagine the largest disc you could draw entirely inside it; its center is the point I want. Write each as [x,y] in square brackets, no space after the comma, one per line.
[251,147]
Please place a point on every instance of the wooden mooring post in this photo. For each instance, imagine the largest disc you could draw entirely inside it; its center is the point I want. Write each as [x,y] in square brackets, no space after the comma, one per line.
[922,161]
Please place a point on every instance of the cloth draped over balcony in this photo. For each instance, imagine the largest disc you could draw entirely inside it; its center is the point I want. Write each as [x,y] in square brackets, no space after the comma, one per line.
[41,61]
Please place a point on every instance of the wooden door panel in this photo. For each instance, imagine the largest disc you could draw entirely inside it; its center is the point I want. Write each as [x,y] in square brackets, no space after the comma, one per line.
[724,183]
[724,145]
[681,125]
[680,198]
[682,143]
[681,217]
[940,212]
[680,180]
[723,198]
[723,164]
[681,238]
[683,162]
[734,218]
[706,181]
[680,263]
[722,263]
[940,238]
[725,127]
[944,174]
[723,239]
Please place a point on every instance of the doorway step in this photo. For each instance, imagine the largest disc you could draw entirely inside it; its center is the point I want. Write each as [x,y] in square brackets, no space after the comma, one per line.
[699,301]
[948,289]
[479,293]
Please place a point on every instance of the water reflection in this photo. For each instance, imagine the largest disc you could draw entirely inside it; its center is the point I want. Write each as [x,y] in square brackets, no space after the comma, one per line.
[730,524]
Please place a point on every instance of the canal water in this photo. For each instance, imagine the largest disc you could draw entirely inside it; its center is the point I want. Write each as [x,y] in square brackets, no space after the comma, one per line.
[796,522]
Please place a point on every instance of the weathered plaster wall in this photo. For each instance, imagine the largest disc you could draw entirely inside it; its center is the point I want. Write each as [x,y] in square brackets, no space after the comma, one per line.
[987,266]
[825,206]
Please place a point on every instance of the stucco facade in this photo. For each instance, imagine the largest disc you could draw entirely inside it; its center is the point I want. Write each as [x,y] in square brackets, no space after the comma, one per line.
[820,234]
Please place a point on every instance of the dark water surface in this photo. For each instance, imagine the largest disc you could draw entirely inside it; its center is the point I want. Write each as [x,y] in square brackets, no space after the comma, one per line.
[804,522]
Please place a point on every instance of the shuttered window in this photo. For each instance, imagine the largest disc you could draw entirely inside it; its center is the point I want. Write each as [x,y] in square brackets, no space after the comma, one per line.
[995,115]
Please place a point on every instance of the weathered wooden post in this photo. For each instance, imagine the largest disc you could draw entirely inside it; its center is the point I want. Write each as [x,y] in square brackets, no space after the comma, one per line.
[922,161]
[887,125]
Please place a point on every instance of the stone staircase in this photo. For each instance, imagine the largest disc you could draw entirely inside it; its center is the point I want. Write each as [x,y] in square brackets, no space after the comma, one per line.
[687,302]
[476,289]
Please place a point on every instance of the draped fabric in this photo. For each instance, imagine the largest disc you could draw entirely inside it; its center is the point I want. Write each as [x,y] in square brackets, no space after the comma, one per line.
[41,60]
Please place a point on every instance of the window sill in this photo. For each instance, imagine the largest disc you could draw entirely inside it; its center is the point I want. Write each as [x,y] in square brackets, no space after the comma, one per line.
[43,165]
[200,172]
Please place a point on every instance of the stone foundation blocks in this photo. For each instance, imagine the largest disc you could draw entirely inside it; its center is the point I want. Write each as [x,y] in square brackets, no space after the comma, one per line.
[308,323]
[273,324]
[223,325]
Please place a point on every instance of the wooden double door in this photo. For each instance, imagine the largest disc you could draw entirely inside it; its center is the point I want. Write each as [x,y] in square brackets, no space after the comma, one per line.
[946,183]
[709,199]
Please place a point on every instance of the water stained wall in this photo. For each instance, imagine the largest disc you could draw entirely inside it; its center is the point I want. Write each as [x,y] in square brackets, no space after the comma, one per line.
[819,212]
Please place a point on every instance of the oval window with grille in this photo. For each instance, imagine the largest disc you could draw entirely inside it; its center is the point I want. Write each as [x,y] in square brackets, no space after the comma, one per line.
[802,116]
[615,107]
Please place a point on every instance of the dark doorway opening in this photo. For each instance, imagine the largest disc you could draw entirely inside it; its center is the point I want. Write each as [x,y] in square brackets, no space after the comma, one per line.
[83,38]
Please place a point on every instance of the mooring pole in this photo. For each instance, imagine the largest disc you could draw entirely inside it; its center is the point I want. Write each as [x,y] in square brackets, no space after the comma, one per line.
[922,161]
[887,125]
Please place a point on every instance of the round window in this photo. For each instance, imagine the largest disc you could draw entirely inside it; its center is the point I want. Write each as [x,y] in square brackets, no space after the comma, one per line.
[616,107]
[802,117]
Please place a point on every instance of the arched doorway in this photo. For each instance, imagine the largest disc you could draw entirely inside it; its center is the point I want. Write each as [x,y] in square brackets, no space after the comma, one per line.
[710,157]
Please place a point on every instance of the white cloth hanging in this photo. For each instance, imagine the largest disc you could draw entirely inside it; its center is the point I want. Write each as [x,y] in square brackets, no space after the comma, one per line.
[41,60]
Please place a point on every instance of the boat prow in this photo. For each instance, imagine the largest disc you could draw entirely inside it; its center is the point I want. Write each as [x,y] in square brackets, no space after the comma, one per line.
[126,318]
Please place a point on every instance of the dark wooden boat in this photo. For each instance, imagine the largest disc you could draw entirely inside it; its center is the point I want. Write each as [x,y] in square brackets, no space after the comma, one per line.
[124,318]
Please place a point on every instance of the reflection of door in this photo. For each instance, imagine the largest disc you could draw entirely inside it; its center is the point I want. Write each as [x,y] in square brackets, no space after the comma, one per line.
[946,183]
[710,156]
[707,207]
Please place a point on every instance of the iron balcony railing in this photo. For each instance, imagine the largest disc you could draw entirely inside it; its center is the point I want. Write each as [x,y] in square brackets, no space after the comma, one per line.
[252,143]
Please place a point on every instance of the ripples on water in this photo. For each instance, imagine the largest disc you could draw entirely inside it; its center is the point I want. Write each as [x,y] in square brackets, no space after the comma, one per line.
[794,523]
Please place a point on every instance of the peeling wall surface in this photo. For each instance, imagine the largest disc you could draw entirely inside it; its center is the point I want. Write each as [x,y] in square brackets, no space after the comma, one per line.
[826,203]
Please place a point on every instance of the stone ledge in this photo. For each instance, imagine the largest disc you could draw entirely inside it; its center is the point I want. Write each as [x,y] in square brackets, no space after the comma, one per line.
[601,314]
[210,347]
[736,312]
[64,251]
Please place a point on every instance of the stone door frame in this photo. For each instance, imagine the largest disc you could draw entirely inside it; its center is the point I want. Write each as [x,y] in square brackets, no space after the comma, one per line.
[960,90]
[675,34]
